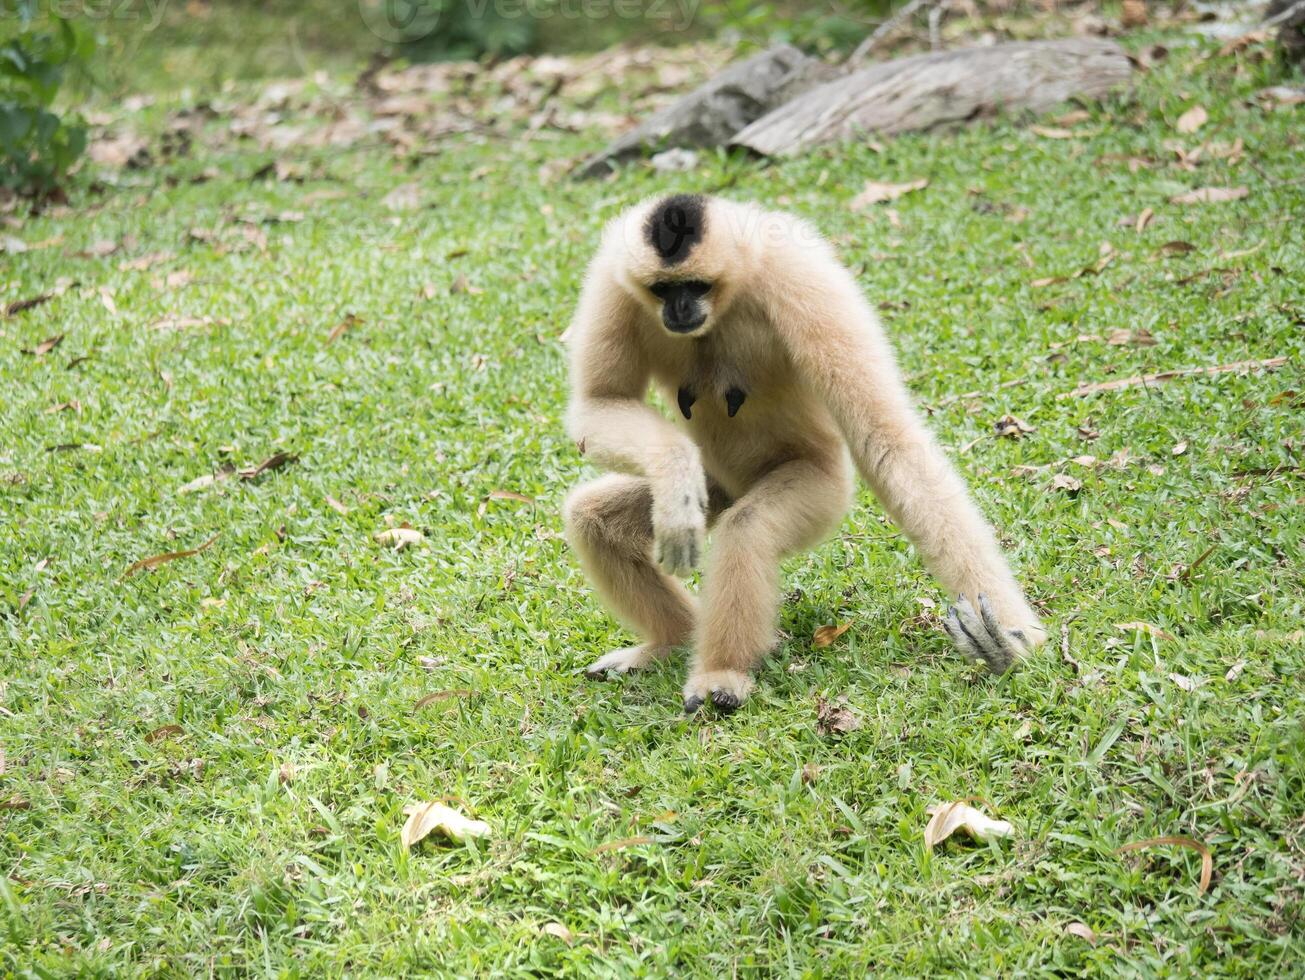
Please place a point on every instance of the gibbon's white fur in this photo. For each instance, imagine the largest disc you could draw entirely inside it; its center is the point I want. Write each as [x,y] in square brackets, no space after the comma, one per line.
[748,322]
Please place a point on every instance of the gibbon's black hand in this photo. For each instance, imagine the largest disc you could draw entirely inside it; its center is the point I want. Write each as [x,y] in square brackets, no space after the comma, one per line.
[980,636]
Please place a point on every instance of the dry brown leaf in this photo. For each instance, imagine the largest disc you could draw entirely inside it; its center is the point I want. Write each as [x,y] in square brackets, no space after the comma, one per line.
[144,262]
[200,482]
[510,495]
[1179,448]
[557,931]
[164,731]
[946,819]
[833,718]
[19,305]
[1129,338]
[16,802]
[1235,671]
[1192,120]
[1188,684]
[154,561]
[45,346]
[1066,483]
[427,818]
[1143,219]
[1073,117]
[1010,427]
[1082,930]
[875,192]
[457,692]
[1211,195]
[336,506]
[1147,628]
[461,285]
[1207,859]
[1175,248]
[273,462]
[1133,14]
[1047,281]
[399,538]
[825,635]
[618,845]
[1052,132]
[350,320]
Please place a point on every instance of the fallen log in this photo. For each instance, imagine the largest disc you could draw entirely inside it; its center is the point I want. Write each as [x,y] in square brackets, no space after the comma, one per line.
[719,108]
[930,90]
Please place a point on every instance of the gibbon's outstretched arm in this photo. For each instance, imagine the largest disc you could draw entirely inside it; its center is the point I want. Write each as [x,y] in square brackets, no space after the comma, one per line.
[835,341]
[613,425]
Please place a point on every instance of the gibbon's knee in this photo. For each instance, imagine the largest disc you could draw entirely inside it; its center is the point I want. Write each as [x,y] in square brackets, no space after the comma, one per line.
[611,512]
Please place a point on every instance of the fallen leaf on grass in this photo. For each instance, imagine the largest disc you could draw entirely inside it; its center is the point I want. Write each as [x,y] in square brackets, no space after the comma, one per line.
[876,193]
[273,462]
[1133,13]
[1179,448]
[457,692]
[207,480]
[154,561]
[1211,195]
[1010,427]
[15,802]
[1066,483]
[557,931]
[825,635]
[1052,132]
[1128,338]
[1143,219]
[461,285]
[336,506]
[1082,930]
[1147,628]
[144,262]
[1207,860]
[19,305]
[1192,120]
[45,346]
[1188,684]
[1175,248]
[350,320]
[399,538]
[832,718]
[426,818]
[99,249]
[946,819]
[510,495]
[164,731]
[624,842]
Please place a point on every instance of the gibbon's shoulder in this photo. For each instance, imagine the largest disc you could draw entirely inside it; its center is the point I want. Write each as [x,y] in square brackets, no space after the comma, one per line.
[698,235]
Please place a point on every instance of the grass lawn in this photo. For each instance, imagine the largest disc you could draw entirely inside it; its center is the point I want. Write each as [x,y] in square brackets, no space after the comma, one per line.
[205,764]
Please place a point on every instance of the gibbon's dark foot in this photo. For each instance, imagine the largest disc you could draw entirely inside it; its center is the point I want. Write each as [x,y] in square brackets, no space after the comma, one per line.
[726,689]
[726,702]
[979,635]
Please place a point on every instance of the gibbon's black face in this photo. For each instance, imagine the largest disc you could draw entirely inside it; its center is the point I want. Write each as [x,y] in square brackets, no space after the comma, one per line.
[683,309]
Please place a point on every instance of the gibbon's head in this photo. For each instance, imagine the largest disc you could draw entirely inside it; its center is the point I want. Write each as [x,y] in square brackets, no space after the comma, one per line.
[683,259]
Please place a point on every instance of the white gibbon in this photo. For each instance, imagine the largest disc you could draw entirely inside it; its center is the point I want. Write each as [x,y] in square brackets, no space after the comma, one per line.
[746,320]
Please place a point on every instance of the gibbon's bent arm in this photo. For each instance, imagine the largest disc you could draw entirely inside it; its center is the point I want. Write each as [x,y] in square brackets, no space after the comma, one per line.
[836,342]
[612,424]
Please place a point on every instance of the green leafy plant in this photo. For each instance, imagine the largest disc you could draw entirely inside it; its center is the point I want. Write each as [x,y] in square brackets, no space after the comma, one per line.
[37,144]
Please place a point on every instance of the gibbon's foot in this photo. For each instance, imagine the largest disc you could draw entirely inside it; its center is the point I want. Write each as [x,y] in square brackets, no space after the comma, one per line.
[981,636]
[625,660]
[726,689]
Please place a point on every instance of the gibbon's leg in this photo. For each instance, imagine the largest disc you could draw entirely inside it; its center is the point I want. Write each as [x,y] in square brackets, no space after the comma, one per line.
[609,524]
[787,510]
